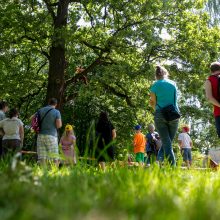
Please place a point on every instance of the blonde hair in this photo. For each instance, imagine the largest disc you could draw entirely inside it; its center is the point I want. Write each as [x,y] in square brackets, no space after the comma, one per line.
[65,133]
[161,72]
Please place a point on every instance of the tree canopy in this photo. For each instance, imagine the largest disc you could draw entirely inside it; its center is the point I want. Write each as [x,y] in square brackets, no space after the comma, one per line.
[118,44]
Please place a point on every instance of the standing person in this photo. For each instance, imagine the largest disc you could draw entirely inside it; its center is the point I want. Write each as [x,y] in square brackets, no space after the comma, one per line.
[106,134]
[164,93]
[139,144]
[68,142]
[153,143]
[185,144]
[47,139]
[3,110]
[213,93]
[12,140]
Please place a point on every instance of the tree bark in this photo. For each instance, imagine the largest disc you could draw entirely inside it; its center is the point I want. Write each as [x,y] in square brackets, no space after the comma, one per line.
[57,61]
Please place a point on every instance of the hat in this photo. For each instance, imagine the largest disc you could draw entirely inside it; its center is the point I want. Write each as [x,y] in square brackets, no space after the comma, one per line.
[186,128]
[137,127]
[68,127]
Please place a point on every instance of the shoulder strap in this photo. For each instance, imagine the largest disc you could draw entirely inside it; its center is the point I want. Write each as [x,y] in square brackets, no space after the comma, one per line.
[45,115]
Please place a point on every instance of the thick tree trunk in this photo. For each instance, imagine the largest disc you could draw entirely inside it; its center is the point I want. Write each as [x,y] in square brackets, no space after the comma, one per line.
[57,61]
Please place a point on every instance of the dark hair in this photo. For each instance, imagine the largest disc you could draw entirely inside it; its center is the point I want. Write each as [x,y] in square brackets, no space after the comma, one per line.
[215,66]
[13,112]
[161,72]
[3,104]
[103,117]
[53,101]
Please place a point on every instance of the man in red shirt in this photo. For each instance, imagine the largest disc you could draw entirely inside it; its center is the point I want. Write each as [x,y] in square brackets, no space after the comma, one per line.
[213,93]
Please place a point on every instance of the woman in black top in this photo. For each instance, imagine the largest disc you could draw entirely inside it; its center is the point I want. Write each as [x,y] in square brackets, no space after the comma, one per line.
[106,134]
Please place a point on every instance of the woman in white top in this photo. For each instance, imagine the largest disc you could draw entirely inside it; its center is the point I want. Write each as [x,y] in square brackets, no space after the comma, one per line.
[12,140]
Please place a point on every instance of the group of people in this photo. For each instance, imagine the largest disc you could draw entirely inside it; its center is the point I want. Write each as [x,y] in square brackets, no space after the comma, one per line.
[12,134]
[163,94]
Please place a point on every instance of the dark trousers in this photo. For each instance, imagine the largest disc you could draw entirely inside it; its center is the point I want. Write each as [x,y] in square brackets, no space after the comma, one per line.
[217,125]
[10,146]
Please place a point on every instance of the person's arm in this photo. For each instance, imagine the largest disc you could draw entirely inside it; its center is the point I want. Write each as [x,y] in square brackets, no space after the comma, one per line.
[21,133]
[208,92]
[180,143]
[58,123]
[153,100]
[113,134]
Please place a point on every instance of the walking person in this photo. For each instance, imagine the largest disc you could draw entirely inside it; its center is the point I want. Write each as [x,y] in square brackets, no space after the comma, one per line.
[47,139]
[12,140]
[106,134]
[164,94]
[3,110]
[213,93]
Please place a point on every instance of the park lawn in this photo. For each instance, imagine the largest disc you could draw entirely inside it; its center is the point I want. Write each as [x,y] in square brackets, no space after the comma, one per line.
[85,192]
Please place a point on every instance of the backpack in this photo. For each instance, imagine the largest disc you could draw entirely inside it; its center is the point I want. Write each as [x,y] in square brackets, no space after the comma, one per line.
[36,121]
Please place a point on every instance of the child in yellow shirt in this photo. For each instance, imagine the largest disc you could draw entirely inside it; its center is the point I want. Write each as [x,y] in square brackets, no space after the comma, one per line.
[139,144]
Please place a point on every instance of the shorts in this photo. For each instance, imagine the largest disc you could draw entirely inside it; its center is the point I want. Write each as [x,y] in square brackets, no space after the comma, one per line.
[47,147]
[187,155]
[139,157]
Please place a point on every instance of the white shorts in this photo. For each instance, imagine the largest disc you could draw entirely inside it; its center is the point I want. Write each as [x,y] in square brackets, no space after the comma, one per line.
[47,147]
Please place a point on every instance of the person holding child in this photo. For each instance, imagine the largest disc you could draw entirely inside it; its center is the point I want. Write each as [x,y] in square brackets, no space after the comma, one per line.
[139,144]
[67,142]
[153,143]
[185,144]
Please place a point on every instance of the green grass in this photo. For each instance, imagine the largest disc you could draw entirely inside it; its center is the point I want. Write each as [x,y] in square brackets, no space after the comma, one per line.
[85,192]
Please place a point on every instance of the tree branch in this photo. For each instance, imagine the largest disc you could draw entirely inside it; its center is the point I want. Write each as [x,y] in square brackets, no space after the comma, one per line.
[50,9]
[119,94]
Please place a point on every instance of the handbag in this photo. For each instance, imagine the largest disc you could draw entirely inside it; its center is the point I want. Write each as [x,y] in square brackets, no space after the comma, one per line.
[170,112]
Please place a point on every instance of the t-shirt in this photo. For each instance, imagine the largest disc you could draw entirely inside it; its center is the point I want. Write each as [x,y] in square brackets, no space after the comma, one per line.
[164,90]
[2,115]
[186,140]
[214,83]
[139,143]
[11,128]
[48,125]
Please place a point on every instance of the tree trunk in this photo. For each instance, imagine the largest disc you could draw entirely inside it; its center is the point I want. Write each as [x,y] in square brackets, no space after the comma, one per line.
[57,61]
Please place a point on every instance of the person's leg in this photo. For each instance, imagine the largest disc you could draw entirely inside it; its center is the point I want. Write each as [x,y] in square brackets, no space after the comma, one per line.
[41,150]
[52,149]
[190,156]
[163,129]
[217,125]
[148,158]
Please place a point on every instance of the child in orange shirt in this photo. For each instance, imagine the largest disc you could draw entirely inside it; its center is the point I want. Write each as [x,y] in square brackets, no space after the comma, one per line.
[139,144]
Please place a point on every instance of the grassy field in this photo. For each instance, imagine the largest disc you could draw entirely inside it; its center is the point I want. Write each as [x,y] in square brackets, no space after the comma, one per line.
[85,192]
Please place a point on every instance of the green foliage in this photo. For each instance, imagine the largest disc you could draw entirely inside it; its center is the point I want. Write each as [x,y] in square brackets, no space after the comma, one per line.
[119,43]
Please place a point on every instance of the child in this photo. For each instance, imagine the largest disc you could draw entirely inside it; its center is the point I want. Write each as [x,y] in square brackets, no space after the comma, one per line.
[185,144]
[139,144]
[67,142]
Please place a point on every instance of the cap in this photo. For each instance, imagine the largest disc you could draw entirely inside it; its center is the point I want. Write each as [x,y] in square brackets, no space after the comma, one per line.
[137,127]
[68,127]
[186,128]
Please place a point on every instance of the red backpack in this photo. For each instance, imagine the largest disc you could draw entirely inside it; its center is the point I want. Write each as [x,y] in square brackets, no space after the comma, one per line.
[36,121]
